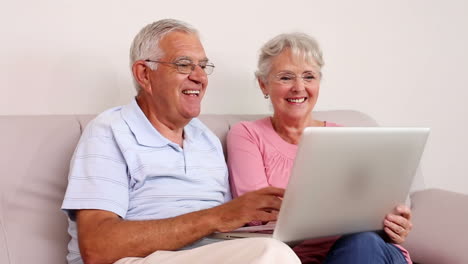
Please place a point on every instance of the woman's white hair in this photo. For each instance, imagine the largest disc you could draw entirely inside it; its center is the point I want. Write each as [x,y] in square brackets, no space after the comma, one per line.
[301,45]
[146,43]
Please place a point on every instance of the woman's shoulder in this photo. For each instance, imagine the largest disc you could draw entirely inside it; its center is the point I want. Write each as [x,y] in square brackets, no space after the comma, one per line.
[256,126]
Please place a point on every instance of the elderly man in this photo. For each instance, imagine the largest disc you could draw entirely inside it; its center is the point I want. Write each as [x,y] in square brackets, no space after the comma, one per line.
[148,179]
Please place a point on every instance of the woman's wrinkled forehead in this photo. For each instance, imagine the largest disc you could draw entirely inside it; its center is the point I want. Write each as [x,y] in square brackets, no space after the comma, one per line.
[305,57]
[289,58]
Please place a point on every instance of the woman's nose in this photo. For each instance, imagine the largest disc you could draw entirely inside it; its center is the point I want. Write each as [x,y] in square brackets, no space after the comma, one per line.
[298,84]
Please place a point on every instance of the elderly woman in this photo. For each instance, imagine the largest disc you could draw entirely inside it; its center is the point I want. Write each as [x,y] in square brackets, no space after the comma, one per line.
[261,153]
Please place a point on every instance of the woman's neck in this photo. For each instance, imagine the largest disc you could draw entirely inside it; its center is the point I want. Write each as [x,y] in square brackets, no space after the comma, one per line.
[291,130]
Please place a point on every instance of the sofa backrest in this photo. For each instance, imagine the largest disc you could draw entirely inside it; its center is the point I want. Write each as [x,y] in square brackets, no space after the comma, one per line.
[35,155]
[34,161]
[220,124]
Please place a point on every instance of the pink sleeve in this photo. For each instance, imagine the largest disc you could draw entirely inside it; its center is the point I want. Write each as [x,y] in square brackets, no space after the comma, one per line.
[245,161]
[405,253]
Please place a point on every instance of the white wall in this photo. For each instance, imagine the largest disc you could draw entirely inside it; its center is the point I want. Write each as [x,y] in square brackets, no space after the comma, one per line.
[403,62]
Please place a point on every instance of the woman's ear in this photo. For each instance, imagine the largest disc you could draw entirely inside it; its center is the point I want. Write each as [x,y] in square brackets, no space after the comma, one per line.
[262,85]
[141,73]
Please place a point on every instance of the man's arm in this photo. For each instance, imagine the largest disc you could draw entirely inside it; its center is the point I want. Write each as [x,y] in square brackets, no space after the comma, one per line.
[105,238]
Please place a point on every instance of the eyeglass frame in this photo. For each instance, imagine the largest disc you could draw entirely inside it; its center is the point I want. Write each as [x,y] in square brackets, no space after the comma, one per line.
[177,65]
[294,78]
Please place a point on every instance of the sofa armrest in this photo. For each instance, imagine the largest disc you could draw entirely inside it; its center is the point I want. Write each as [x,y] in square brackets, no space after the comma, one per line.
[440,227]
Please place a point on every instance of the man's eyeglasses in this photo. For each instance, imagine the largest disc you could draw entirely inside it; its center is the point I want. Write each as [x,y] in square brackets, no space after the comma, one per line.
[288,79]
[186,67]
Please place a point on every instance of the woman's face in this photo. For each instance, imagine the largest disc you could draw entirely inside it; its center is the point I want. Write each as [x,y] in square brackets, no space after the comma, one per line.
[293,86]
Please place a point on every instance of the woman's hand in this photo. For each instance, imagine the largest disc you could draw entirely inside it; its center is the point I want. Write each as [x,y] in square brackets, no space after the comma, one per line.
[397,225]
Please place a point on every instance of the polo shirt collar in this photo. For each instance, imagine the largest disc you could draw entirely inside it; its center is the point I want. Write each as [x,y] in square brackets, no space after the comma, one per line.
[192,130]
[144,131]
[141,127]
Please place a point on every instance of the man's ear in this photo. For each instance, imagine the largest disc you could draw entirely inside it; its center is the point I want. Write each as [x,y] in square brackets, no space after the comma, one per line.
[141,73]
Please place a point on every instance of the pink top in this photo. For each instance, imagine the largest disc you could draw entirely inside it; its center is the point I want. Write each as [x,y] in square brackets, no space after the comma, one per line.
[258,157]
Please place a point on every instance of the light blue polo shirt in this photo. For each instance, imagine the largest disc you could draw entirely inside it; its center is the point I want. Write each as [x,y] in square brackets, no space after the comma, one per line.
[124,165]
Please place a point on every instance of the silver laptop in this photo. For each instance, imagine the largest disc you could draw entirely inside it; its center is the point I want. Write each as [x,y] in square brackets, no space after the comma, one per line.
[344,180]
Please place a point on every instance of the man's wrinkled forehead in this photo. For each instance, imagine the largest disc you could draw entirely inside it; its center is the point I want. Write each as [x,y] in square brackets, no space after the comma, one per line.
[182,45]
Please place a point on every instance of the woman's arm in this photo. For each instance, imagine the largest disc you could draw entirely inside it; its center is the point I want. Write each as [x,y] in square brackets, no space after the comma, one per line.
[245,160]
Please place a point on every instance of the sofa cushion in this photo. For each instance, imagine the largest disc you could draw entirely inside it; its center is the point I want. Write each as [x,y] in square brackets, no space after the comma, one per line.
[439,227]
[36,153]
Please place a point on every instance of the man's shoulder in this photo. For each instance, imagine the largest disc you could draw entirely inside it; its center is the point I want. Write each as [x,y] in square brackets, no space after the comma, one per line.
[101,125]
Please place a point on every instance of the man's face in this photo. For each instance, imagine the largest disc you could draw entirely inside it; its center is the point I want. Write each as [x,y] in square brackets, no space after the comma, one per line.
[176,96]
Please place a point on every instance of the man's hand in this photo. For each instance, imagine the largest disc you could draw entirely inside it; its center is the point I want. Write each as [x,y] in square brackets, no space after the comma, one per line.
[397,225]
[262,205]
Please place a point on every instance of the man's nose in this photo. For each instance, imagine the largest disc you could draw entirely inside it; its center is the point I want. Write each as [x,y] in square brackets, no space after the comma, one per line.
[198,75]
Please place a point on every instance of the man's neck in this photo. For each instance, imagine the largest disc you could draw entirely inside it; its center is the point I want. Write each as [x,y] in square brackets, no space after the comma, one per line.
[173,130]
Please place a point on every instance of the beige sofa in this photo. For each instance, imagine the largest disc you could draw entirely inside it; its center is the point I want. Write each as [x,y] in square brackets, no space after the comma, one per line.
[34,157]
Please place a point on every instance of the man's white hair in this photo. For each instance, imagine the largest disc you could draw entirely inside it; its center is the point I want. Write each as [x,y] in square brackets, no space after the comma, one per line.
[146,43]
